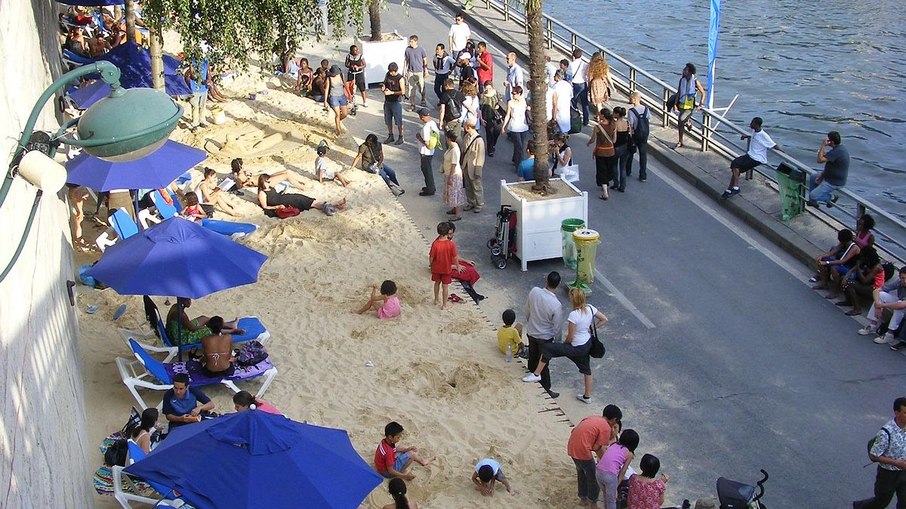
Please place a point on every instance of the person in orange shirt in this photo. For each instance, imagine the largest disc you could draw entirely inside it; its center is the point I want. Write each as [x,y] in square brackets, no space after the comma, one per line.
[592,435]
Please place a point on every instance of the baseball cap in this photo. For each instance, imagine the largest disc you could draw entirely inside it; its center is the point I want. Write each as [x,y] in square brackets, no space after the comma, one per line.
[423,112]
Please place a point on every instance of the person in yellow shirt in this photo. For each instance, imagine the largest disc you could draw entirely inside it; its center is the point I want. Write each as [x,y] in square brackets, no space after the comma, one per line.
[511,334]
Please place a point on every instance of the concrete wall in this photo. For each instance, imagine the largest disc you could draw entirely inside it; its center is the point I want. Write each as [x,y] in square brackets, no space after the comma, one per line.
[42,421]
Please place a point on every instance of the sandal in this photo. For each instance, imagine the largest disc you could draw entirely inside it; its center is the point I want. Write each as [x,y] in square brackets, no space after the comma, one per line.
[678,145]
[454,298]
[604,197]
[853,312]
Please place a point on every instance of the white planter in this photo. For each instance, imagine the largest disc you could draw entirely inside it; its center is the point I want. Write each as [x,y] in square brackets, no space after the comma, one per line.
[379,54]
[538,219]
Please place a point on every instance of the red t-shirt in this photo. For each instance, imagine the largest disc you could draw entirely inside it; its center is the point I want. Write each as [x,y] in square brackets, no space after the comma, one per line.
[589,435]
[384,456]
[442,254]
[486,74]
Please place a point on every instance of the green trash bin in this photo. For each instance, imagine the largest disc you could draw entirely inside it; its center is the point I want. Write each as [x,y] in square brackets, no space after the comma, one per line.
[567,227]
[586,246]
[792,191]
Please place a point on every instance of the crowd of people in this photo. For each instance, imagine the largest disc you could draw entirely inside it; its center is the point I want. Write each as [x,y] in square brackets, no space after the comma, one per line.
[90,32]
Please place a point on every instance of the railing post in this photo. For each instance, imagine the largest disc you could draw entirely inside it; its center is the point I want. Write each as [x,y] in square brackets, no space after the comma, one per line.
[550,33]
[506,10]
[706,131]
[573,41]
[665,96]
[487,4]
[632,79]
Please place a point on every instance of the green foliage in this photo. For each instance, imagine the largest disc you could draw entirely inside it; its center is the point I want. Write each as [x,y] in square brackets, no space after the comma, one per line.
[234,31]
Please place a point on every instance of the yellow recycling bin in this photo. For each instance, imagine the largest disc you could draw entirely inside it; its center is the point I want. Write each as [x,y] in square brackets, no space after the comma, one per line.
[586,246]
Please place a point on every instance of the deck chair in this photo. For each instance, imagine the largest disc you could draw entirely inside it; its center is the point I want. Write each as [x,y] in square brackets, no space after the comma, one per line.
[123,224]
[149,373]
[119,478]
[166,210]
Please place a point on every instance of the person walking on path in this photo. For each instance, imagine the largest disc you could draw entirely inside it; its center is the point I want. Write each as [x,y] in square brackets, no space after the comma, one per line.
[640,123]
[888,450]
[515,77]
[459,34]
[415,61]
[835,157]
[451,108]
[491,116]
[452,172]
[485,62]
[515,122]
[684,100]
[757,154]
[591,436]
[336,97]
[429,138]
[603,138]
[472,164]
[542,323]
[394,89]
[578,69]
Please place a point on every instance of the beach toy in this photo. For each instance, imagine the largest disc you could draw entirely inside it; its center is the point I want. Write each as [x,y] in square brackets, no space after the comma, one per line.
[92,309]
[119,312]
[252,97]
[369,364]
[218,114]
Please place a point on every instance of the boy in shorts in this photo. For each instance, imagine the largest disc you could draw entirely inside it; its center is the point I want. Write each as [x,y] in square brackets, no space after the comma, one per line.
[487,473]
[391,460]
[443,259]
[324,171]
[355,75]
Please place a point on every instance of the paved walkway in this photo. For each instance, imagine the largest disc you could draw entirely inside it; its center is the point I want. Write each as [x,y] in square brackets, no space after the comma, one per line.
[719,353]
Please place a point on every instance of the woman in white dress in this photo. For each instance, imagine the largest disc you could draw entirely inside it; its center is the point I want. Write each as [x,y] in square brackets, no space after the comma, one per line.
[563,94]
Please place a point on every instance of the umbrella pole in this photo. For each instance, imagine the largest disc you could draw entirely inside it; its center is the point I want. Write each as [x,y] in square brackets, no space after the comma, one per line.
[180,310]
[137,222]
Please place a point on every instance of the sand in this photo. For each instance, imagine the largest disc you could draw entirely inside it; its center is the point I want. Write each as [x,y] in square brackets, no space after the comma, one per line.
[439,373]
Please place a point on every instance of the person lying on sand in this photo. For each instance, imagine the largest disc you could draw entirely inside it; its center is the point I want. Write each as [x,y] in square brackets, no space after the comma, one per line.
[244,178]
[271,201]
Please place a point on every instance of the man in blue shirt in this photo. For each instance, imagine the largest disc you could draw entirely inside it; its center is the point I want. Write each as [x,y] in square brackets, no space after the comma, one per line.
[183,404]
[526,169]
[835,157]
[198,82]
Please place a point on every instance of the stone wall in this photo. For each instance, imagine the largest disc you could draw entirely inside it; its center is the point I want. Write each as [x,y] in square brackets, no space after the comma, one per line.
[42,420]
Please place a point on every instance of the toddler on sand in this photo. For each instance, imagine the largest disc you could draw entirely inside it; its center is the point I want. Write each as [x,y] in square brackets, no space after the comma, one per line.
[487,473]
[324,171]
[511,334]
[386,302]
[443,259]
[391,460]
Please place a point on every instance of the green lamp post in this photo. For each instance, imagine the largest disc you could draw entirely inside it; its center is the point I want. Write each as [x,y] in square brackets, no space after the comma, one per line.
[125,126]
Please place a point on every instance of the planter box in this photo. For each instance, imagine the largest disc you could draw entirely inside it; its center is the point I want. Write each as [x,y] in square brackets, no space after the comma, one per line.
[379,54]
[538,218]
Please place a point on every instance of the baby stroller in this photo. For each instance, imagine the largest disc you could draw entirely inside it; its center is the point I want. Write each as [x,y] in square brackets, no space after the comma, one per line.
[503,245]
[736,495]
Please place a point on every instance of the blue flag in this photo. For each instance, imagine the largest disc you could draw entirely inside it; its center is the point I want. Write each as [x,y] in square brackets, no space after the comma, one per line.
[713,32]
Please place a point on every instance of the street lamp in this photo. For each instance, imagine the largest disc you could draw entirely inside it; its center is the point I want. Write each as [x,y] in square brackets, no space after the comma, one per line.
[126,125]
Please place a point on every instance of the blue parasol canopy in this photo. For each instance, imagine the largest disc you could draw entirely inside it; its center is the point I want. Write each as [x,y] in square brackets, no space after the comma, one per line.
[255,459]
[154,171]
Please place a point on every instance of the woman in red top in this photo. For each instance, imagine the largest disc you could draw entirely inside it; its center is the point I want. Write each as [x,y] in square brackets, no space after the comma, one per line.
[646,492]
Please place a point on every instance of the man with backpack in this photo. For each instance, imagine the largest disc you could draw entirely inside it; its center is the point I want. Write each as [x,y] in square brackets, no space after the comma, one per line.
[888,450]
[451,109]
[640,124]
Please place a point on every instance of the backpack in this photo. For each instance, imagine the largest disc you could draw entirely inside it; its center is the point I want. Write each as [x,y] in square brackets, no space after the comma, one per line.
[454,99]
[575,120]
[871,443]
[116,453]
[251,353]
[642,128]
[433,140]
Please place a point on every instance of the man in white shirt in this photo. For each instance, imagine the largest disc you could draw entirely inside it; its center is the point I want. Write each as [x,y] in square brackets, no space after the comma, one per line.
[459,34]
[578,69]
[426,149]
[542,324]
[759,143]
[514,76]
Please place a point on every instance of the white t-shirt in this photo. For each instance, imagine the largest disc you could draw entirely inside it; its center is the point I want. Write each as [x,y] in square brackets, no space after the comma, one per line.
[758,148]
[472,102]
[583,320]
[517,116]
[321,166]
[489,462]
[429,126]
[578,69]
[459,34]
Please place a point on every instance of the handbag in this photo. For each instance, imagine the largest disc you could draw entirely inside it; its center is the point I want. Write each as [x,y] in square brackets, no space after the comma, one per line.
[570,173]
[288,211]
[597,347]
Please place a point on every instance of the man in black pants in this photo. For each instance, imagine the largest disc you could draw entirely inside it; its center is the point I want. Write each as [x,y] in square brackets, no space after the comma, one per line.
[889,451]
[542,324]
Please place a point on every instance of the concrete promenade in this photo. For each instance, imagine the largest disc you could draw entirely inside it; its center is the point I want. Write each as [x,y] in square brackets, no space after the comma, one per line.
[719,353]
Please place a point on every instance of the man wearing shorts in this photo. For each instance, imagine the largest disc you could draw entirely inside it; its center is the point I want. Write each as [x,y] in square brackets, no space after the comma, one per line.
[416,63]
[394,89]
[759,143]
[355,74]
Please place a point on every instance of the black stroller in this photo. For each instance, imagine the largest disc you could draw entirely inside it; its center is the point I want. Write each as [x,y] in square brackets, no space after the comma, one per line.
[503,245]
[736,495]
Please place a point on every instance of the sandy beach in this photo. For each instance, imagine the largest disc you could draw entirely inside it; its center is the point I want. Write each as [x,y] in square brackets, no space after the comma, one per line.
[438,373]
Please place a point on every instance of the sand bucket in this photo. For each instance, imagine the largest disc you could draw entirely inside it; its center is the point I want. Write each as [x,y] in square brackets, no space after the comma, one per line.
[219,115]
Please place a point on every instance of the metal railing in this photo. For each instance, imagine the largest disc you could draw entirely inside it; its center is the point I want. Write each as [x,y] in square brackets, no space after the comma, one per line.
[890,230]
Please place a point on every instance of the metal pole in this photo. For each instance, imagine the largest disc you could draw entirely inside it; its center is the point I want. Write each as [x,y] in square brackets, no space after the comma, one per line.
[706,131]
[550,33]
[632,79]
[666,95]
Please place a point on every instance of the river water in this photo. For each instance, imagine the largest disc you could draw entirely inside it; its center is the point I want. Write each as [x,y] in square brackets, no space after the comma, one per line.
[806,68]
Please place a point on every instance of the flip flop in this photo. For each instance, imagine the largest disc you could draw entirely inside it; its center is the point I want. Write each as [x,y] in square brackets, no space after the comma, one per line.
[853,313]
[454,298]
[91,309]
[119,312]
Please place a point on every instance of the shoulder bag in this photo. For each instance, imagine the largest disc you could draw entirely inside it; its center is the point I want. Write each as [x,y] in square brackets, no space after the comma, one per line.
[597,347]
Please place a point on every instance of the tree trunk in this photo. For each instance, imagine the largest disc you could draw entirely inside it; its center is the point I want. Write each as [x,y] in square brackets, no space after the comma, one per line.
[130,21]
[374,17]
[157,59]
[533,16]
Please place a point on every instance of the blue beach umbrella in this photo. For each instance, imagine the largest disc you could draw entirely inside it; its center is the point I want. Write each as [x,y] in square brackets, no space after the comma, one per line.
[255,459]
[177,257]
[134,63]
[84,97]
[154,171]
